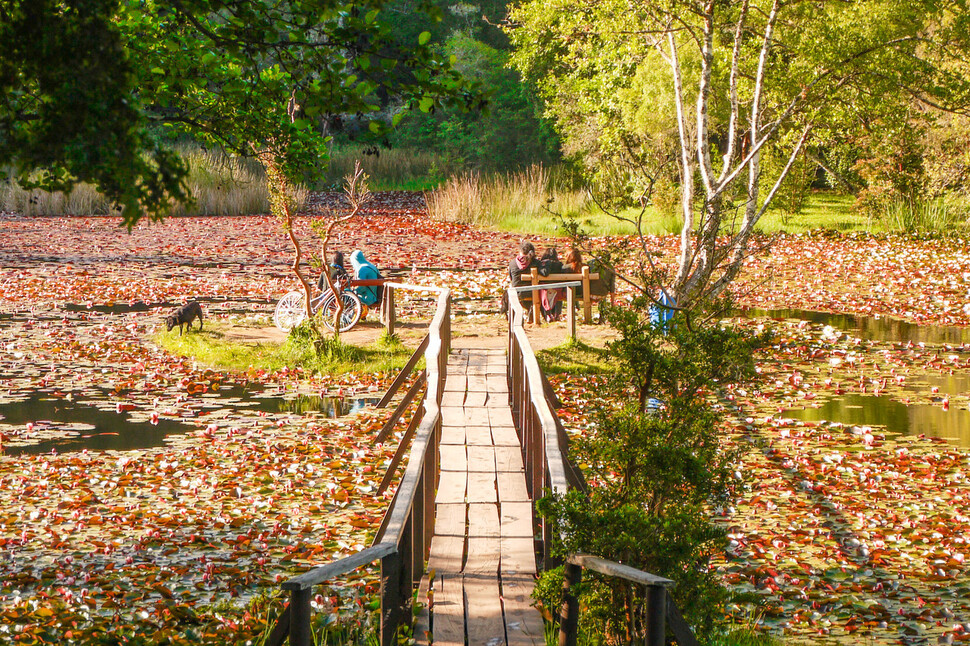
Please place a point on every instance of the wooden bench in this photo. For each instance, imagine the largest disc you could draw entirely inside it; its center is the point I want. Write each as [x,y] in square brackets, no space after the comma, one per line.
[596,287]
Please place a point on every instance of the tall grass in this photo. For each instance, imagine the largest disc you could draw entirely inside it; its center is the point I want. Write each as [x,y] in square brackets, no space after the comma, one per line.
[222,184]
[218,183]
[929,216]
[519,201]
[388,169]
[83,200]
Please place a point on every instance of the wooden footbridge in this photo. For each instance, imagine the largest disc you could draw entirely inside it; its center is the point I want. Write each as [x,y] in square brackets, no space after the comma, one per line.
[461,527]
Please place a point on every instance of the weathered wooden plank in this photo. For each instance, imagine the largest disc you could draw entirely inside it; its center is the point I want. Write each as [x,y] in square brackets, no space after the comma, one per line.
[483,607]
[422,623]
[497,383]
[449,519]
[518,556]
[483,555]
[453,435]
[481,487]
[508,458]
[523,623]
[453,458]
[476,383]
[453,398]
[481,458]
[483,522]
[447,555]
[516,519]
[475,399]
[455,382]
[500,416]
[511,487]
[505,435]
[451,487]
[612,568]
[449,610]
[476,416]
[478,435]
[453,416]
[497,400]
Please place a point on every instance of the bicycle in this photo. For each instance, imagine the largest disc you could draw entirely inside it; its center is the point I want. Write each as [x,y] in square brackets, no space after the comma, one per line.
[290,310]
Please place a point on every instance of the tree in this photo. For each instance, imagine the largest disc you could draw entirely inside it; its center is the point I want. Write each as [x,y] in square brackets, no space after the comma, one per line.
[114,78]
[68,105]
[738,79]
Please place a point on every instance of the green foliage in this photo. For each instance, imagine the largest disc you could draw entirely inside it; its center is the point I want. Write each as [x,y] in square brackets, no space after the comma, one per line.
[71,106]
[655,469]
[86,83]
[509,134]
[679,361]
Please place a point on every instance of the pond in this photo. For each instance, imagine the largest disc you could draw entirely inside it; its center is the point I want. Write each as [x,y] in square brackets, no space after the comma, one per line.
[62,425]
[891,414]
[896,417]
[874,328]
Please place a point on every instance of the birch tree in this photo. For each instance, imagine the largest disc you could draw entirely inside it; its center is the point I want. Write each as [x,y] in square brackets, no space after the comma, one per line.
[742,78]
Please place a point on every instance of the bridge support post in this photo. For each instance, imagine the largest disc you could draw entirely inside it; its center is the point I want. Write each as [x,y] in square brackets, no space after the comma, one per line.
[569,613]
[300,618]
[656,615]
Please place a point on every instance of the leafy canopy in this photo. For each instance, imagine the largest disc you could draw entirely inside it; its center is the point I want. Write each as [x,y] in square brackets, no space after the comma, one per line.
[115,78]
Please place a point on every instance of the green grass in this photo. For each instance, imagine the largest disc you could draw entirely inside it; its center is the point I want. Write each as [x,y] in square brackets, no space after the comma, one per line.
[211,347]
[575,358]
[823,210]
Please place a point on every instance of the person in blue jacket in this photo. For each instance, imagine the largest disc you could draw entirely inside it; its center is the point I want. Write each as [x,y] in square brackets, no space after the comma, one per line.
[365,270]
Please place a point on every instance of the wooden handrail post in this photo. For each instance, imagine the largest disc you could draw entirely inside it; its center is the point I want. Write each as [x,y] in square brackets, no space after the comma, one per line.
[569,613]
[571,312]
[587,298]
[390,313]
[390,598]
[656,611]
[300,618]
[536,299]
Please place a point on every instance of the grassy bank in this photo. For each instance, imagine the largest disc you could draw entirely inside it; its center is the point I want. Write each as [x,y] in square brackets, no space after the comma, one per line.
[213,347]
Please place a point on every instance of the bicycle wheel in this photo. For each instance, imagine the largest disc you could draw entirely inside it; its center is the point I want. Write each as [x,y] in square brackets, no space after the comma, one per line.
[290,311]
[350,315]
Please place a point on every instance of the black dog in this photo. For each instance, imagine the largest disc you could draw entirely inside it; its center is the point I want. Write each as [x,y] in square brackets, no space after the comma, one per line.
[184,316]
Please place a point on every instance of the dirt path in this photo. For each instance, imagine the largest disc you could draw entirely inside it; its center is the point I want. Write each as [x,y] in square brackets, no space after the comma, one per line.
[480,331]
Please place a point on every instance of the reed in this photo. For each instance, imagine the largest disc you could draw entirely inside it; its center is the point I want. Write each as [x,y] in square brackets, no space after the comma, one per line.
[387,169]
[513,201]
[219,184]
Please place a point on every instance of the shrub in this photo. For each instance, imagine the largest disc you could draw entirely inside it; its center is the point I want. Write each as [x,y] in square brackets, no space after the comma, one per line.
[655,468]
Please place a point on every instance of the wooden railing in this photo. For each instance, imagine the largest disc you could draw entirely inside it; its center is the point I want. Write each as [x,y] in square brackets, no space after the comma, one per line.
[540,432]
[548,470]
[659,613]
[404,538]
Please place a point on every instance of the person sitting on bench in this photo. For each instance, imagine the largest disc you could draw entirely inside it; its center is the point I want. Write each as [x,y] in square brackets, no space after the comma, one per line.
[370,295]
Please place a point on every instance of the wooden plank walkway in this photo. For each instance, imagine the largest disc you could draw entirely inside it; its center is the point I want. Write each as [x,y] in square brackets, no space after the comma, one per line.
[482,566]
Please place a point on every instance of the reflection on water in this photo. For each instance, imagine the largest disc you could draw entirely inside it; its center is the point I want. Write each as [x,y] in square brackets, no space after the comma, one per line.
[896,417]
[73,426]
[883,328]
[105,429]
[332,407]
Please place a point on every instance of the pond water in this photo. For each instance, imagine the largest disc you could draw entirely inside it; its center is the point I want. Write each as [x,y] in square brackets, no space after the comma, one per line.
[874,328]
[62,425]
[896,417]
[883,411]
